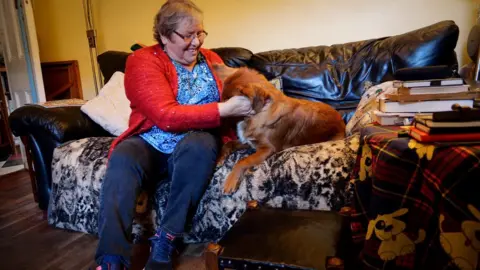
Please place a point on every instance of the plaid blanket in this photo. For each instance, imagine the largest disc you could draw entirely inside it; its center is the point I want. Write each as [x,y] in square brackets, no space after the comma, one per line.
[416,205]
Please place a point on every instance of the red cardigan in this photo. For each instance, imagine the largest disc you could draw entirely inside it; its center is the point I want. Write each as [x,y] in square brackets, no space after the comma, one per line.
[151,85]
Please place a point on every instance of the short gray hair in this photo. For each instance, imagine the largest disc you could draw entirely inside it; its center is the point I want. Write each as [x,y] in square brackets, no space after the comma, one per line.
[171,14]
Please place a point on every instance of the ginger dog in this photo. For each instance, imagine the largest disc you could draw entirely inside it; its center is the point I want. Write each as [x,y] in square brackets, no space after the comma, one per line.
[279,122]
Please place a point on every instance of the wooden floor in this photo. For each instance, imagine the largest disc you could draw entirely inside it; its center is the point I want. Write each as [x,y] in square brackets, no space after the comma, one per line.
[27,242]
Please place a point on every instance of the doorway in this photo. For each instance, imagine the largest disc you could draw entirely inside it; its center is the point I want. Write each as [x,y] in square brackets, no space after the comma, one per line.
[21,80]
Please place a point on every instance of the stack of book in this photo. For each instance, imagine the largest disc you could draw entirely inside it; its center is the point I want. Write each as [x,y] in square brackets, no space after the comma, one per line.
[425,96]
[447,126]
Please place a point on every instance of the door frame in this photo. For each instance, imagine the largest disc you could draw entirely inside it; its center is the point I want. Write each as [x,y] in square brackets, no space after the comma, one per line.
[32,52]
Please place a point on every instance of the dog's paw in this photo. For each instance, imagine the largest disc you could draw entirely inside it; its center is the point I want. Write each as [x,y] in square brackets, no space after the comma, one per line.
[388,256]
[407,249]
[227,149]
[230,185]
[222,157]
[221,161]
[142,202]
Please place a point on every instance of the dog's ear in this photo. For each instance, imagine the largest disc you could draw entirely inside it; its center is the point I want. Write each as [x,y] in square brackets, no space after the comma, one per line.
[223,71]
[257,95]
[400,212]
[259,100]
[371,226]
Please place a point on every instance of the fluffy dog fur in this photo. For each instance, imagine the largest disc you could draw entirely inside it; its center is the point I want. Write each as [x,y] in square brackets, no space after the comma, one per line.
[279,122]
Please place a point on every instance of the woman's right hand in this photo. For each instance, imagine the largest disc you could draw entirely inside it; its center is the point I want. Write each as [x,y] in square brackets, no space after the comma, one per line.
[235,106]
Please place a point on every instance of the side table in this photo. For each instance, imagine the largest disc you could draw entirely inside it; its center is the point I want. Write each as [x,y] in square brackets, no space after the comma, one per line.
[416,206]
[274,239]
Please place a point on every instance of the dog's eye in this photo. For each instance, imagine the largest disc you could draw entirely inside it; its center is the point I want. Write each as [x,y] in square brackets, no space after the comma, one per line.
[380,225]
[477,235]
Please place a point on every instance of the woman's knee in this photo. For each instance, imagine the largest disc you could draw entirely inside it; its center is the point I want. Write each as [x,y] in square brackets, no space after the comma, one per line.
[128,151]
[131,155]
[200,144]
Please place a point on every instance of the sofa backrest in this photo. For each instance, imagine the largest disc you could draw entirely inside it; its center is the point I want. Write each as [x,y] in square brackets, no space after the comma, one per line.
[335,74]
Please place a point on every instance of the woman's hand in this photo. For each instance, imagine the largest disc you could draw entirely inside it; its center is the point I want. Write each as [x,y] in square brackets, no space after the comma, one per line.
[235,106]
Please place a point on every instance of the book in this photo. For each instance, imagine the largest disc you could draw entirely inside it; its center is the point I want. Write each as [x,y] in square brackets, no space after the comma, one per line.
[434,90]
[422,136]
[386,105]
[426,97]
[449,116]
[432,124]
[427,83]
[393,119]
[446,130]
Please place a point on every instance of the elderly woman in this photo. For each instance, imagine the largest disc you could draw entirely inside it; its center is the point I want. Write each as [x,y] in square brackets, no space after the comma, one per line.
[174,129]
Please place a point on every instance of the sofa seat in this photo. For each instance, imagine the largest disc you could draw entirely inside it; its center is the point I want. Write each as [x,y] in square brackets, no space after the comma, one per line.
[314,177]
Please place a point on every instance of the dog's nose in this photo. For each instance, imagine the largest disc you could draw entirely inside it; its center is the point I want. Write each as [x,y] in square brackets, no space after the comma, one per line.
[389,228]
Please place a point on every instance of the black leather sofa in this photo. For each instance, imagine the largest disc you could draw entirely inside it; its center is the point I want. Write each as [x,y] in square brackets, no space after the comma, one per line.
[335,74]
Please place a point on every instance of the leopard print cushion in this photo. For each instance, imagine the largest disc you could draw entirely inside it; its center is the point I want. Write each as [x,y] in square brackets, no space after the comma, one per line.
[314,177]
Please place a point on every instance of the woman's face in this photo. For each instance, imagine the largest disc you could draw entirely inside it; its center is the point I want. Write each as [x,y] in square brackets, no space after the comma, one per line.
[183,45]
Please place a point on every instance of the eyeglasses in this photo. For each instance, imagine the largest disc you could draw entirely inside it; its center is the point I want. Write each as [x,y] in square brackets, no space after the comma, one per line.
[188,39]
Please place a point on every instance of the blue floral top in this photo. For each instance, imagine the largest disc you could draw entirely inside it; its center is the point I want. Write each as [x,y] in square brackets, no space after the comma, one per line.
[194,87]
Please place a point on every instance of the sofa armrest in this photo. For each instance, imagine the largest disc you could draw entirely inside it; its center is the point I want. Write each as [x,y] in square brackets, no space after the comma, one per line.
[43,129]
[61,124]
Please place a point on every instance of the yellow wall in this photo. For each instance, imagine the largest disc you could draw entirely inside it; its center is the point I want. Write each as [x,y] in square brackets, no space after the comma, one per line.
[258,25]
[61,36]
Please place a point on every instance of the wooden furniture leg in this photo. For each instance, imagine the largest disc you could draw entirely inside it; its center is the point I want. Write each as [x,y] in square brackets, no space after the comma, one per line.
[252,205]
[334,263]
[31,170]
[211,256]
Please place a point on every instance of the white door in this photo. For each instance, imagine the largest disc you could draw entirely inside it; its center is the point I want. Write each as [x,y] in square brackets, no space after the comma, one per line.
[21,54]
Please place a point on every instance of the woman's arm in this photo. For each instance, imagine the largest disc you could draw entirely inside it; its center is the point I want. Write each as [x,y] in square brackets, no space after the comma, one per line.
[149,91]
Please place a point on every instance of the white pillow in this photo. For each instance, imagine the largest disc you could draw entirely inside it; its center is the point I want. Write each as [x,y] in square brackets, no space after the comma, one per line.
[111,108]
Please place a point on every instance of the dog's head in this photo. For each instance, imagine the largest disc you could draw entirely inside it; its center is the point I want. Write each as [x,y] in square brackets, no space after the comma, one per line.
[244,82]
[386,226]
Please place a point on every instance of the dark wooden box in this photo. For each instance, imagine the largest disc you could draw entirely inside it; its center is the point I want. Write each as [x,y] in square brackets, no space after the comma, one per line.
[283,239]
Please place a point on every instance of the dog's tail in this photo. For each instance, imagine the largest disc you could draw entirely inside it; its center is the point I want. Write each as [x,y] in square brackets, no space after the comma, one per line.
[421,236]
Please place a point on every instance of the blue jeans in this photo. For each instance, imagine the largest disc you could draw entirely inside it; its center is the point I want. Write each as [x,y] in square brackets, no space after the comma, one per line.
[135,165]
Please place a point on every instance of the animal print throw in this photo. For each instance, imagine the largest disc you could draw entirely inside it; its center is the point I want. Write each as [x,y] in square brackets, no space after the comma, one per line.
[314,177]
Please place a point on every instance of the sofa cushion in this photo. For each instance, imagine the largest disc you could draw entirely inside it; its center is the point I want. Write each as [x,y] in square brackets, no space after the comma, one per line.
[111,108]
[314,177]
[77,169]
[336,74]
[113,61]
